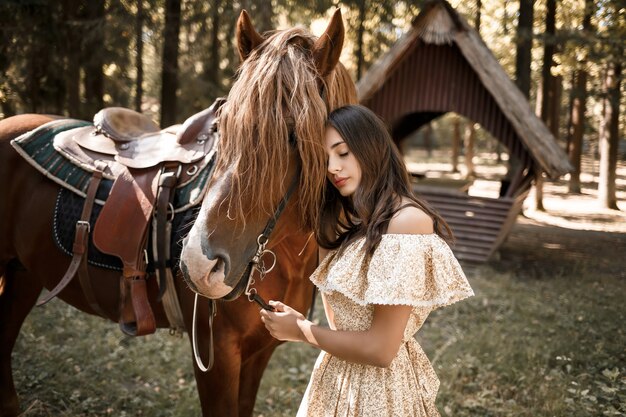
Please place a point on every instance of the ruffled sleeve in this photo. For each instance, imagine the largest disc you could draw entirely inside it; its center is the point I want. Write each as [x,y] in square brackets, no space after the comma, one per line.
[415,270]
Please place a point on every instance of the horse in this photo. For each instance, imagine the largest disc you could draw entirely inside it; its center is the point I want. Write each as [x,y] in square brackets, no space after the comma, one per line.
[292,80]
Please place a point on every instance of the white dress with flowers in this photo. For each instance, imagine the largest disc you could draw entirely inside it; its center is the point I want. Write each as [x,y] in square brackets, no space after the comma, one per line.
[406,269]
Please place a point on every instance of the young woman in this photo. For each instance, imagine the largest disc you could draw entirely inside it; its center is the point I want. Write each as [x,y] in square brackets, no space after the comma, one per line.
[385,266]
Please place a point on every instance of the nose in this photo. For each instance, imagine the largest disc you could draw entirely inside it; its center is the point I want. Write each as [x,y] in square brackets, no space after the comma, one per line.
[333,166]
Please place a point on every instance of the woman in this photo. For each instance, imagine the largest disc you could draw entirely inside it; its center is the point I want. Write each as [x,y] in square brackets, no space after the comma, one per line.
[384,267]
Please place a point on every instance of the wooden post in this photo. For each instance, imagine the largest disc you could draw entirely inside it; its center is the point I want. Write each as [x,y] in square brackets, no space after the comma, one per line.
[456,140]
[428,139]
[539,192]
[470,137]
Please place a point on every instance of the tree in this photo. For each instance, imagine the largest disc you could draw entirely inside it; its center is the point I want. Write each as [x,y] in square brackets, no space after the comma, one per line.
[524,42]
[609,137]
[139,55]
[169,77]
[72,33]
[93,57]
[578,106]
[360,60]
[548,89]
[470,128]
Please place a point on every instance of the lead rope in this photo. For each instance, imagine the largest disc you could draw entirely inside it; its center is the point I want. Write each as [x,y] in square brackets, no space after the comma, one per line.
[212,312]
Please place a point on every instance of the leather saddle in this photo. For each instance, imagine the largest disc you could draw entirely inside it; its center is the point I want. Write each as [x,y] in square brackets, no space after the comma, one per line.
[146,164]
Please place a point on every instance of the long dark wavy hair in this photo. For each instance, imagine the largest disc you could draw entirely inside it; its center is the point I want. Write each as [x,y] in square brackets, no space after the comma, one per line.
[384,182]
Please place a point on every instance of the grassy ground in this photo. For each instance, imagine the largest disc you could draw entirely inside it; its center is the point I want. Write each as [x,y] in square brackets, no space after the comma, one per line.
[544,336]
[541,338]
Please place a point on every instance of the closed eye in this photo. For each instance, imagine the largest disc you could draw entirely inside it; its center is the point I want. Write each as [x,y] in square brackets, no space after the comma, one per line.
[343,154]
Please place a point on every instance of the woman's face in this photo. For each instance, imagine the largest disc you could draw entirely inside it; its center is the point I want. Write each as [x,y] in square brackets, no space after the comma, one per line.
[344,171]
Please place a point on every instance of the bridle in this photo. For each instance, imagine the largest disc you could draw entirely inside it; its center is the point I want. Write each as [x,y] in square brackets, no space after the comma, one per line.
[255,263]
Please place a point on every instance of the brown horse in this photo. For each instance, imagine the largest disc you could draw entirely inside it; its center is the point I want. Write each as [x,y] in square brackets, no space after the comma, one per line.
[291,81]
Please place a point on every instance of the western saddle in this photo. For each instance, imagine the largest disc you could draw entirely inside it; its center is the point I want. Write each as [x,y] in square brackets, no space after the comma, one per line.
[146,164]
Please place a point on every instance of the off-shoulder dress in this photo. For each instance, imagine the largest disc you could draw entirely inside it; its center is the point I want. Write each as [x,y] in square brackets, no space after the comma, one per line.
[418,270]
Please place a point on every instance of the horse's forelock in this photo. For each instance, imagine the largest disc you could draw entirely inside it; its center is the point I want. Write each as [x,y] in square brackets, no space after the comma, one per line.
[277,91]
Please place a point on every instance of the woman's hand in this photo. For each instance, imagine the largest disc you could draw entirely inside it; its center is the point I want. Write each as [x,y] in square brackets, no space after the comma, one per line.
[283,322]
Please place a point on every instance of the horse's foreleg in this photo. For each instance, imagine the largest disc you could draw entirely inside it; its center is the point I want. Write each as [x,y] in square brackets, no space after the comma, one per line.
[250,379]
[18,294]
[219,388]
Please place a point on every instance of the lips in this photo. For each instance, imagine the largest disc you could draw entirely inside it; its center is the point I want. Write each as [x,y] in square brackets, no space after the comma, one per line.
[339,182]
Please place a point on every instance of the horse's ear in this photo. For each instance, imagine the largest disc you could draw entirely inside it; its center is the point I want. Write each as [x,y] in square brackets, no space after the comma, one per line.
[327,48]
[247,36]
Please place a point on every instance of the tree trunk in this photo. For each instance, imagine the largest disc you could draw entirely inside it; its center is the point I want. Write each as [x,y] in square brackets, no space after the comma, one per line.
[360,60]
[578,109]
[211,73]
[548,96]
[468,142]
[524,40]
[554,120]
[609,138]
[169,75]
[577,117]
[93,58]
[539,192]
[456,140]
[139,57]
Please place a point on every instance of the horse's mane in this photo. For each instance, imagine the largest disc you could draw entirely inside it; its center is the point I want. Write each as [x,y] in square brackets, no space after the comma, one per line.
[277,92]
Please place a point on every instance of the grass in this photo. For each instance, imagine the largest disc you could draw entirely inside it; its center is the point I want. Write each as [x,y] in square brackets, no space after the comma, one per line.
[522,347]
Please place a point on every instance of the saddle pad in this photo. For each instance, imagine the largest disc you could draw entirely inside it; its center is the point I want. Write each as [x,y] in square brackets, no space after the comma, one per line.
[36,147]
[67,212]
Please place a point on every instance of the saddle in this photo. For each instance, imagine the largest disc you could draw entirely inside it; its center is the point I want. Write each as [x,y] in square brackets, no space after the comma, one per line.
[146,164]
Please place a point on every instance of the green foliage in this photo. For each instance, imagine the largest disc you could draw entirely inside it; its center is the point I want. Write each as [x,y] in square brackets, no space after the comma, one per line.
[35,34]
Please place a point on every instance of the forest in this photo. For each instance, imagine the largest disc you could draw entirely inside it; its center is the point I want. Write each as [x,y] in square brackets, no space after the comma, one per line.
[172,58]
[543,336]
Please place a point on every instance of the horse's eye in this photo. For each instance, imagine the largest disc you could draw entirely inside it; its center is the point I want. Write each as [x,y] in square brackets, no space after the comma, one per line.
[292,139]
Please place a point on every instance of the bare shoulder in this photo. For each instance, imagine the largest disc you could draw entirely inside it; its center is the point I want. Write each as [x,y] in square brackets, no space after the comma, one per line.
[410,220]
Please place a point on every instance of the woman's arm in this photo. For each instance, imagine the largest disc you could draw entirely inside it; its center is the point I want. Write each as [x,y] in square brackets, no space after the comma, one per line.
[376,346]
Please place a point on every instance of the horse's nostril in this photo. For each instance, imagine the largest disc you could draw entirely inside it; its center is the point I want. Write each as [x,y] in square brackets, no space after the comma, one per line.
[218,265]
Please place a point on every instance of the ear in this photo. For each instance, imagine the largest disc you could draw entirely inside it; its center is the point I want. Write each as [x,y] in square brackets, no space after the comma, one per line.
[327,48]
[247,37]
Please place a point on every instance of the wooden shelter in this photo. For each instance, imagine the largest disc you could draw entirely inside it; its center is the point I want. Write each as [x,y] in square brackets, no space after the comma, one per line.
[442,65]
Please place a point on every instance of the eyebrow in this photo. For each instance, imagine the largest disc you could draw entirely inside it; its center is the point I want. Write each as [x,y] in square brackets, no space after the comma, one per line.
[334,145]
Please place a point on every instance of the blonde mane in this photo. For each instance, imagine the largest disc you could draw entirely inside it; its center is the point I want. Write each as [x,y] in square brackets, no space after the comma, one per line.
[277,92]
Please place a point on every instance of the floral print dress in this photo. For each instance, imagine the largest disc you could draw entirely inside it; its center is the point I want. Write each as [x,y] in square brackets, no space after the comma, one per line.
[406,269]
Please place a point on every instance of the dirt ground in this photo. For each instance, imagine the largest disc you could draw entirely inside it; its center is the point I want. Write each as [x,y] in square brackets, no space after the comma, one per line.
[541,248]
[572,227]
